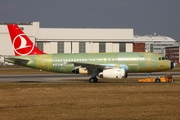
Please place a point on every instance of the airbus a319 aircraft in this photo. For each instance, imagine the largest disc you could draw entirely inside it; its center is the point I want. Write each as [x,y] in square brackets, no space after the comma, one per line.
[102,65]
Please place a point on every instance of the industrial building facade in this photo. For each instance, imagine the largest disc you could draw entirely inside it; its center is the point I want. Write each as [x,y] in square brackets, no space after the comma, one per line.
[139,47]
[77,40]
[71,40]
[172,53]
[153,43]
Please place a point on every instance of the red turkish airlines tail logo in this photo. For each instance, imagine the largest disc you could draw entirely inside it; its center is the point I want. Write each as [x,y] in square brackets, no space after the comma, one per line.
[22,45]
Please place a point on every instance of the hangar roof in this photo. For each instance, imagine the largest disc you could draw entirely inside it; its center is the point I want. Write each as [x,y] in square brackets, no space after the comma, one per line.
[149,38]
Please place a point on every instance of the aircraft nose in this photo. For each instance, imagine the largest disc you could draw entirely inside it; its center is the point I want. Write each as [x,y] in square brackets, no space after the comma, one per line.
[172,65]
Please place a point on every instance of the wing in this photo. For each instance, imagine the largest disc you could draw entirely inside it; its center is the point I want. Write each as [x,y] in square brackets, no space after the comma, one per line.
[87,65]
[97,68]
[93,67]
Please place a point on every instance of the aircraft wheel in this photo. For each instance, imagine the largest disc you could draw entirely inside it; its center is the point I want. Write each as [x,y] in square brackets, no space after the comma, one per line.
[157,81]
[93,79]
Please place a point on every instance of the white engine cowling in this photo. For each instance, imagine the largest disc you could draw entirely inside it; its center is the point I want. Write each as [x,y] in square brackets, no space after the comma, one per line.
[112,73]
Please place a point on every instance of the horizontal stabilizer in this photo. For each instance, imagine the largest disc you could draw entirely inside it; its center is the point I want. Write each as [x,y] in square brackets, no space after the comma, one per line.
[17,61]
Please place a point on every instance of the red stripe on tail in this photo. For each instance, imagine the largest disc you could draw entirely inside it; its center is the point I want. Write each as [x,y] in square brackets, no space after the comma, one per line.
[22,45]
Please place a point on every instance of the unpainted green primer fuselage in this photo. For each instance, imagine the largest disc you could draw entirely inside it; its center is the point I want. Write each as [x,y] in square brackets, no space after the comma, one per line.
[62,63]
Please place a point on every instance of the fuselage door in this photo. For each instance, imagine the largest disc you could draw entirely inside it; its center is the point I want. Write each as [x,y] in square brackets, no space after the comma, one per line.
[145,62]
[149,61]
[43,60]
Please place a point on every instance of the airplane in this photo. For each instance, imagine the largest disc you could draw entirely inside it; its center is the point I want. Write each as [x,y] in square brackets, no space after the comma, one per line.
[101,65]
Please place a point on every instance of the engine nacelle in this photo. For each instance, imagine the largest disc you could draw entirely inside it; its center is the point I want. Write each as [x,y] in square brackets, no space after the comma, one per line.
[117,73]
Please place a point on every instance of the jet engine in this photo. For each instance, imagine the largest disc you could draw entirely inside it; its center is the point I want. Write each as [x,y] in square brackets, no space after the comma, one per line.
[112,73]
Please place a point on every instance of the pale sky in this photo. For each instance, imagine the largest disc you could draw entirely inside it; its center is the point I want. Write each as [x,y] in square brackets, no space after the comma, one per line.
[144,16]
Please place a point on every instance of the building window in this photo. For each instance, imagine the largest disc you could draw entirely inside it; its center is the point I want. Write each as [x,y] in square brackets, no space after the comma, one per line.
[102,47]
[151,47]
[122,47]
[60,47]
[82,47]
[40,45]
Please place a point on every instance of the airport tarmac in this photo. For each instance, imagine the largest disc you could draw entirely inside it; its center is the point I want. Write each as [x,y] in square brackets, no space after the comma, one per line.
[66,78]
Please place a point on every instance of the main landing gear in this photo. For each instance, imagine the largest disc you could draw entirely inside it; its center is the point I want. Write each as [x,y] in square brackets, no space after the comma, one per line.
[93,79]
[149,74]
